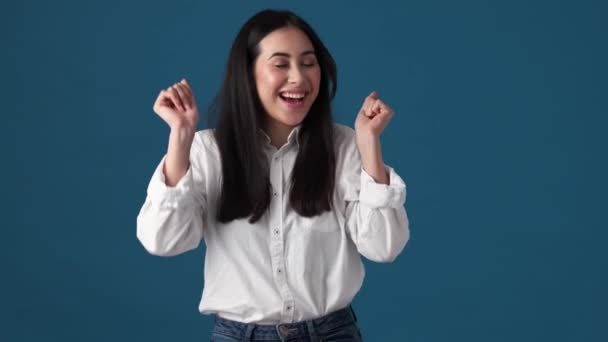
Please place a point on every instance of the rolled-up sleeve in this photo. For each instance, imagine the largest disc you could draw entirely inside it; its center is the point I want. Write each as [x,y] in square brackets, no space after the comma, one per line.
[375,215]
[170,221]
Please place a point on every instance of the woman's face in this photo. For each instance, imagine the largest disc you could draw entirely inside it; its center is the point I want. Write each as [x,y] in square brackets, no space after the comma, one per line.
[287,76]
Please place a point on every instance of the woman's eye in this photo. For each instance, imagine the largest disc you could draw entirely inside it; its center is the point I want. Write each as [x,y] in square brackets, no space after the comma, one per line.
[308,65]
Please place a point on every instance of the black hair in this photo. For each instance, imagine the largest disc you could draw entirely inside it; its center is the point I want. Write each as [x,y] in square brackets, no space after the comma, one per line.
[245,173]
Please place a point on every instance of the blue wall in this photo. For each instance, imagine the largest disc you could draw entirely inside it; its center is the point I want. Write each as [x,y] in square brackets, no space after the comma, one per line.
[499,128]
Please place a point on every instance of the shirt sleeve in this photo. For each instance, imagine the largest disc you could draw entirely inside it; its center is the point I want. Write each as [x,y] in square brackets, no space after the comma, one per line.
[170,221]
[375,216]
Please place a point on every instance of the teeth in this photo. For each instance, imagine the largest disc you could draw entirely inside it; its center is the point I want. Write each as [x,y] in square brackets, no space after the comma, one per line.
[293,95]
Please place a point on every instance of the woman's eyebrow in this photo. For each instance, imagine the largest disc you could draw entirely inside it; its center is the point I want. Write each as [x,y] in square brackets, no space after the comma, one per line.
[285,54]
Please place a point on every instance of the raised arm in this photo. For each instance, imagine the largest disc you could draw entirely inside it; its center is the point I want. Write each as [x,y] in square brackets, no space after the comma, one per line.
[374,193]
[170,221]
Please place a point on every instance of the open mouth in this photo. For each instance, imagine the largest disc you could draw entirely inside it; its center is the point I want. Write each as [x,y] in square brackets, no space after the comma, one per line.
[293,98]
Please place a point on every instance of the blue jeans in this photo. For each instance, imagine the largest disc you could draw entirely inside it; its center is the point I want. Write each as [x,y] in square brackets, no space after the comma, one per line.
[339,326]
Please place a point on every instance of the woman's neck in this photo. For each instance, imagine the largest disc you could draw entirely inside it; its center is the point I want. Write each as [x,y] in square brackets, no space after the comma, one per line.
[278,133]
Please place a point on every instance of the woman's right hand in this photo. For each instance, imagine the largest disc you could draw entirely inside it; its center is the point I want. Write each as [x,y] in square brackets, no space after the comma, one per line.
[177,107]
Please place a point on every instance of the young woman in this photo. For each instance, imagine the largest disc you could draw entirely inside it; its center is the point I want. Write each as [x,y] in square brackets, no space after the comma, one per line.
[285,199]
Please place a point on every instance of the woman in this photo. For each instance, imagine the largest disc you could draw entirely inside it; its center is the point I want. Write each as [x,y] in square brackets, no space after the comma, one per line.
[285,199]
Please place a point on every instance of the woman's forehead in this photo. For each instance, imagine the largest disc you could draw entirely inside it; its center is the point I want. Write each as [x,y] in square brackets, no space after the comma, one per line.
[286,42]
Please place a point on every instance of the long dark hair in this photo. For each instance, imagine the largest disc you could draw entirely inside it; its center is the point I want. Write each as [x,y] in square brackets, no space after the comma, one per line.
[240,114]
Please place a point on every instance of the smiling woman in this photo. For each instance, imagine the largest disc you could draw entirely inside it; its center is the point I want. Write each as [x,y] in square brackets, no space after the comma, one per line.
[287,79]
[276,55]
[286,200]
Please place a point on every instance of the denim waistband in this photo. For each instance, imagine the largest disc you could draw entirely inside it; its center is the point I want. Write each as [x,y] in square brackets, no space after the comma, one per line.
[283,331]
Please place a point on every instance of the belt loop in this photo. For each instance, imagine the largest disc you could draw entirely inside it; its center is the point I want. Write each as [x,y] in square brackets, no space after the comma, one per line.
[312,333]
[249,332]
[279,332]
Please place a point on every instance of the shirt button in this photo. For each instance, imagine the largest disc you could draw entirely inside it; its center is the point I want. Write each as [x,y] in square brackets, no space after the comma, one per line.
[289,308]
[279,270]
[276,231]
[275,193]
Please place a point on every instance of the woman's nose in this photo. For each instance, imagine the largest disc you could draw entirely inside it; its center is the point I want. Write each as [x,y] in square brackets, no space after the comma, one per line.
[295,75]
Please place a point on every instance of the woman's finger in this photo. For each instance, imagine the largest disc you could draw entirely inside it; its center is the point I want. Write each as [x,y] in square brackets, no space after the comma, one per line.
[160,99]
[180,94]
[384,116]
[177,102]
[380,107]
[376,107]
[367,104]
[187,87]
[183,95]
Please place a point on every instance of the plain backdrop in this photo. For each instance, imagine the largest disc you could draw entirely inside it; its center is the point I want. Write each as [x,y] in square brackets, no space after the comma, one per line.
[499,132]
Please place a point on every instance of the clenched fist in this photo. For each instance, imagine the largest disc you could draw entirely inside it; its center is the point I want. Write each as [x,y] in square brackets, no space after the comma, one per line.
[177,107]
[369,125]
[373,117]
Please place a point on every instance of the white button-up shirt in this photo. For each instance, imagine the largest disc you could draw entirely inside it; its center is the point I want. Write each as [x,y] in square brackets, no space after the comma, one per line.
[283,268]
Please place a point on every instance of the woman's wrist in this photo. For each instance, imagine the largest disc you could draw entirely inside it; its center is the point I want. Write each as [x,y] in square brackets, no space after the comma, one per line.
[371,159]
[178,154]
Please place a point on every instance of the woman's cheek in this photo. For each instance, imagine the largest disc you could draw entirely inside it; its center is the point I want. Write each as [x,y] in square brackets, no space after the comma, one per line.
[315,77]
[275,73]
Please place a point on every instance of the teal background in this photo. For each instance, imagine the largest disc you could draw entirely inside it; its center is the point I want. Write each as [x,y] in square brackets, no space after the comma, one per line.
[499,133]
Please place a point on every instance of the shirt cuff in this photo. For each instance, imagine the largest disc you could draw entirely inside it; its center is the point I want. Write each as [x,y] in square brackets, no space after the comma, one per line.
[376,195]
[170,196]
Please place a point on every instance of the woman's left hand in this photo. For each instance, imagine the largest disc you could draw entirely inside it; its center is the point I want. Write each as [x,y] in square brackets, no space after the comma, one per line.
[373,117]
[371,121]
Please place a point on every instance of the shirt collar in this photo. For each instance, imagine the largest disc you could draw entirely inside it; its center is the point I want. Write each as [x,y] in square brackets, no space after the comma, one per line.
[293,135]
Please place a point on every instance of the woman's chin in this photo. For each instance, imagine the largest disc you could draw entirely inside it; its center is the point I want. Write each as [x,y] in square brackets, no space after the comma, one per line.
[292,119]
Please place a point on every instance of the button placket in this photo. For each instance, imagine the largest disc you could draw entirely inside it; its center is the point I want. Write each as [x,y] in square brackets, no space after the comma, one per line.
[277,243]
